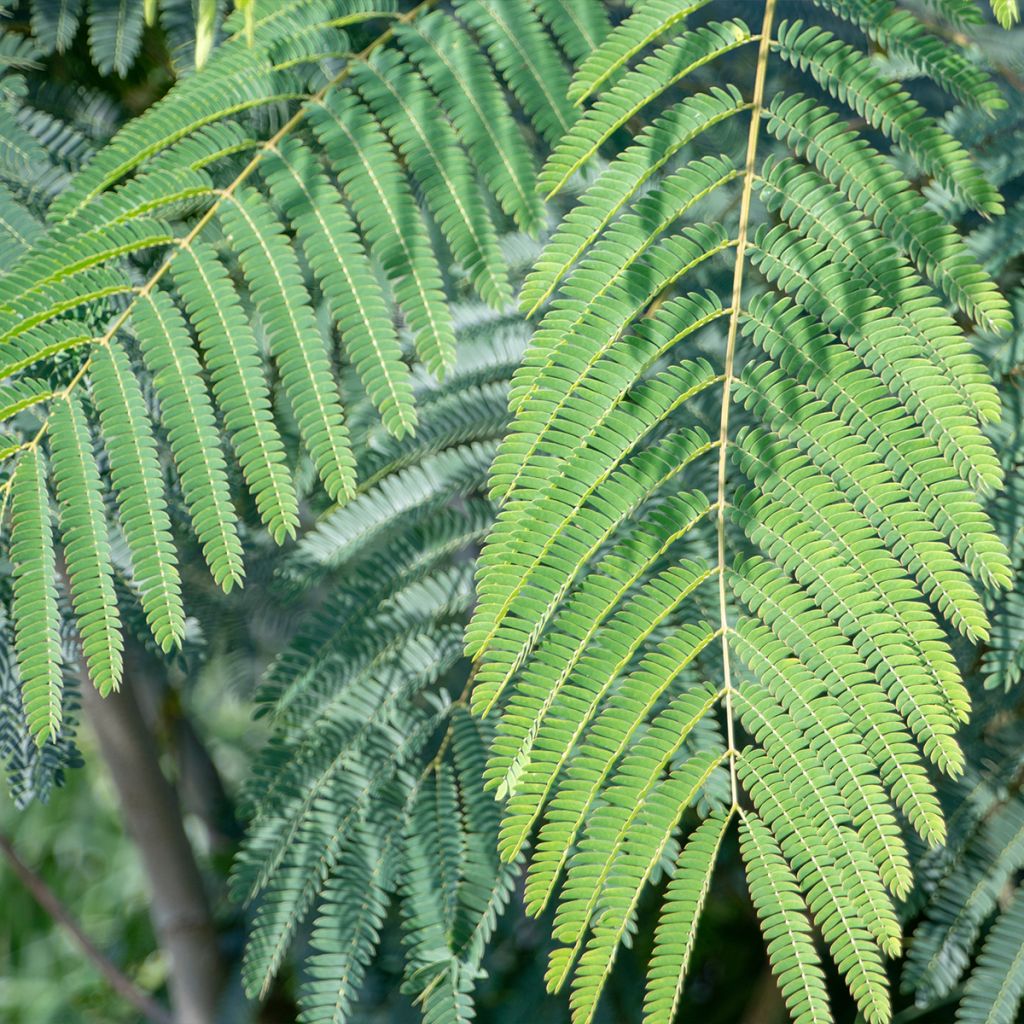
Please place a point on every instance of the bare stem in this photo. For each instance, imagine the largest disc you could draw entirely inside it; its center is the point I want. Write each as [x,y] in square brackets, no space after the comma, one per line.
[47,899]
[764,48]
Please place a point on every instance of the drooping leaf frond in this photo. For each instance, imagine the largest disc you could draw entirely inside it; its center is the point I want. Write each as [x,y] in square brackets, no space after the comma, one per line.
[86,545]
[138,483]
[34,606]
[32,768]
[965,945]
[236,372]
[341,151]
[275,281]
[676,933]
[335,252]
[372,787]
[189,421]
[780,905]
[758,507]
[750,451]
[995,990]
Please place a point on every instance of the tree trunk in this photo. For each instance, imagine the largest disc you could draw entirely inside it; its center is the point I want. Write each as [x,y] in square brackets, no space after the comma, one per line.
[152,814]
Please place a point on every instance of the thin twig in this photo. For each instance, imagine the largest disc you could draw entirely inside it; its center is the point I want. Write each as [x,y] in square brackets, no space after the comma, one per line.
[45,897]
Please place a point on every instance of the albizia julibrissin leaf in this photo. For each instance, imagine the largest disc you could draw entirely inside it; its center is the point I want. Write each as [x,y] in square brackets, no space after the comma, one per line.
[34,608]
[139,485]
[188,418]
[275,281]
[240,389]
[83,527]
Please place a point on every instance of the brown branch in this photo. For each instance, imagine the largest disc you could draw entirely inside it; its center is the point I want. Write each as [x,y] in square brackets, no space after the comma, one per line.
[152,814]
[47,899]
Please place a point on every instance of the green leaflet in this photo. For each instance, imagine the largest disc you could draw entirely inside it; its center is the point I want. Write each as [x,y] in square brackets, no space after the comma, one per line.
[795,482]
[995,989]
[188,418]
[595,395]
[445,880]
[1004,659]
[806,351]
[403,492]
[609,828]
[636,32]
[138,484]
[620,183]
[636,89]
[376,187]
[479,112]
[1007,12]
[206,18]
[34,607]
[334,251]
[56,20]
[834,908]
[823,811]
[571,706]
[542,584]
[18,227]
[21,394]
[903,34]
[619,269]
[845,755]
[608,739]
[352,909]
[851,77]
[856,316]
[776,896]
[813,207]
[398,96]
[296,344]
[115,33]
[639,846]
[589,341]
[310,836]
[77,251]
[856,168]
[239,388]
[56,299]
[579,28]
[804,552]
[84,529]
[966,895]
[800,417]
[822,652]
[526,58]
[677,927]
[243,80]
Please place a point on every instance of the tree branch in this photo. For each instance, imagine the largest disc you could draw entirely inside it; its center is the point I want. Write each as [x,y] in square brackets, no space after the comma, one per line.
[152,814]
[47,899]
